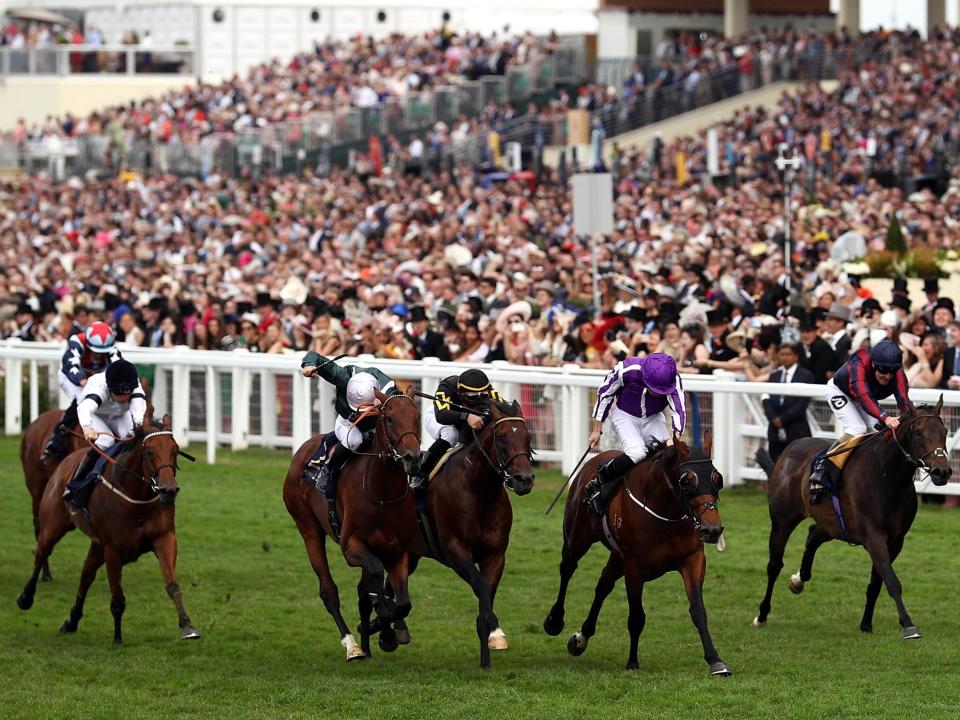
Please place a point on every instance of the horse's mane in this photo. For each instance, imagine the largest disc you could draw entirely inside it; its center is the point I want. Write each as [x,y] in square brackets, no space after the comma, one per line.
[506,408]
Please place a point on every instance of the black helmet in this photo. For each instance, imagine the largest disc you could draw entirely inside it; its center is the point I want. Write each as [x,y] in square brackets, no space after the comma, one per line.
[122,377]
[886,356]
[473,384]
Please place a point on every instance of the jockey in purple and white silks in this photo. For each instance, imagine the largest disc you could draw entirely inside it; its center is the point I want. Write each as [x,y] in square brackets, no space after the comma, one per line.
[634,396]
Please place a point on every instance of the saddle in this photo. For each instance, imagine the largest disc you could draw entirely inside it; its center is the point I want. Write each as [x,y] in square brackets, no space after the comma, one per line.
[443,460]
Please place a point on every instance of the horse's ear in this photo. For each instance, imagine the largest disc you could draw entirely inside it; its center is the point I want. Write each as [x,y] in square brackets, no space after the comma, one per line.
[939,404]
[515,409]
[410,392]
[708,443]
[167,422]
[379,395]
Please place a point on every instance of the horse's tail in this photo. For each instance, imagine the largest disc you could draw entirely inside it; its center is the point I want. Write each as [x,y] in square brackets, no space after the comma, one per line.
[765,462]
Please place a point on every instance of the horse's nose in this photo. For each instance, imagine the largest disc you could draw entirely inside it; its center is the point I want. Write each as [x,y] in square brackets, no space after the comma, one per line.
[168,494]
[711,534]
[940,475]
[522,483]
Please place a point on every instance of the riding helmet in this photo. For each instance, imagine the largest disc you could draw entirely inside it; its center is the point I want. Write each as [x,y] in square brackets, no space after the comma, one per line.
[659,373]
[100,338]
[473,383]
[122,377]
[886,354]
[361,390]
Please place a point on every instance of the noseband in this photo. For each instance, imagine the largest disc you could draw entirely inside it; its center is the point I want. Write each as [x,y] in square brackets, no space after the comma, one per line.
[500,466]
[921,461]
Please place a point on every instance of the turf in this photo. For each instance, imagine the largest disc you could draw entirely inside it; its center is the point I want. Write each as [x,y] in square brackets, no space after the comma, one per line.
[269,650]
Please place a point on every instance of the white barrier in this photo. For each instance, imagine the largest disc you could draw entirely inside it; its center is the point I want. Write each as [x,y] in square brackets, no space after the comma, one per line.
[240,399]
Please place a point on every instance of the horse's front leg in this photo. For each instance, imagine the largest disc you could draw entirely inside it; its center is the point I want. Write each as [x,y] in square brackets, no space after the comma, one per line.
[574,548]
[461,561]
[492,569]
[118,603]
[693,572]
[883,557]
[165,548]
[370,587]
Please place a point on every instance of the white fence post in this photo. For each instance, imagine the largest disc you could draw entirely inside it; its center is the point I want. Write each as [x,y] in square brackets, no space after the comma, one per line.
[576,425]
[34,391]
[241,383]
[158,393]
[213,413]
[14,403]
[429,386]
[300,390]
[268,408]
[180,412]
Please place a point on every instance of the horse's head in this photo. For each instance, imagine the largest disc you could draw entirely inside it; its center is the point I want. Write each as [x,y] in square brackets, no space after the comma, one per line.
[697,484]
[159,453]
[505,441]
[923,436]
[398,428]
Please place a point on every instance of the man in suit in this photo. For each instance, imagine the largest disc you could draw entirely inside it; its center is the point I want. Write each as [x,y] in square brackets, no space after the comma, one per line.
[787,415]
[816,355]
[950,377]
[426,342]
[835,332]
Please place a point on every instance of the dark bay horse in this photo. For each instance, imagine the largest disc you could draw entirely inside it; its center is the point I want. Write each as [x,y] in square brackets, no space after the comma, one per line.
[877,497]
[658,520]
[470,515]
[132,512]
[378,520]
[37,472]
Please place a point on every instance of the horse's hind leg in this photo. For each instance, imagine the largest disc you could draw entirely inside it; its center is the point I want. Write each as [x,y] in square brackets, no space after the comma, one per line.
[883,557]
[118,602]
[50,534]
[570,554]
[165,548]
[612,571]
[815,538]
[693,572]
[780,531]
[873,588]
[90,566]
[45,576]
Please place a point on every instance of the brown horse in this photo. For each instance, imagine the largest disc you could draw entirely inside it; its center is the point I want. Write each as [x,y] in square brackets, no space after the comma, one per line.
[131,512]
[877,498]
[378,519]
[470,515]
[37,472]
[658,521]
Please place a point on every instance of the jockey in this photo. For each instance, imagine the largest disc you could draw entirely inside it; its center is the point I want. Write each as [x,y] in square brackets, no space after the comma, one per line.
[853,392]
[448,425]
[641,388]
[88,353]
[112,405]
[356,388]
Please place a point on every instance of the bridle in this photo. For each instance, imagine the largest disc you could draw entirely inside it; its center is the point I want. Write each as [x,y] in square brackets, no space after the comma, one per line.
[380,431]
[921,461]
[151,480]
[695,512]
[391,450]
[500,467]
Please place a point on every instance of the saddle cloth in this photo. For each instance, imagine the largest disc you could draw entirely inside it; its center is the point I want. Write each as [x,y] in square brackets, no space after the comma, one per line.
[442,461]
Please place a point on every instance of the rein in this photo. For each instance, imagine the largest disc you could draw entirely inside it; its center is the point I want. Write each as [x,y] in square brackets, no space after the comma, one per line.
[691,509]
[916,462]
[150,481]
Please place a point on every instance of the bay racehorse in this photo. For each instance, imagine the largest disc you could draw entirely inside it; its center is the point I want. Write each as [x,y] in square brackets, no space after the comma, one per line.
[131,512]
[469,513]
[37,472]
[656,522]
[377,515]
[877,499]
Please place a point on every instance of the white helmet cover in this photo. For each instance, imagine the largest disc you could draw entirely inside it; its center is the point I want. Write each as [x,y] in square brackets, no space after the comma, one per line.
[360,390]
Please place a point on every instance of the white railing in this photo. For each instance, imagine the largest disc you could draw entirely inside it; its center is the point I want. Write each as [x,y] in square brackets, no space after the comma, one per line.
[238,399]
[88,60]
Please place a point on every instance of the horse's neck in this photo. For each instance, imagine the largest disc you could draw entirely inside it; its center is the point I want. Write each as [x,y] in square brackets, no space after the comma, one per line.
[654,484]
[382,468]
[129,466]
[895,469]
[479,475]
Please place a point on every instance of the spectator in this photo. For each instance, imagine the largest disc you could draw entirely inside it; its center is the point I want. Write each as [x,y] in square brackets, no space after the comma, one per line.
[787,414]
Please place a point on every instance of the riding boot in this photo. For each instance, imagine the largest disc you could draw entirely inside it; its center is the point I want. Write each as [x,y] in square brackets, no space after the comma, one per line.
[430,458]
[330,468]
[825,477]
[58,446]
[599,490]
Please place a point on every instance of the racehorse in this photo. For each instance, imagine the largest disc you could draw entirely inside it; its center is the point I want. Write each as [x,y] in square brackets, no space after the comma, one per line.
[658,521]
[877,500]
[37,472]
[378,519]
[470,517]
[131,511]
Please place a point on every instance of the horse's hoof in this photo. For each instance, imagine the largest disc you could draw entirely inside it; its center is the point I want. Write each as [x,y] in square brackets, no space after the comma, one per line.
[388,641]
[757,622]
[911,633]
[632,665]
[498,640]
[403,636]
[68,627]
[553,625]
[796,584]
[577,644]
[117,642]
[720,669]
[24,601]
[46,577]
[864,628]
[356,653]
[190,633]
